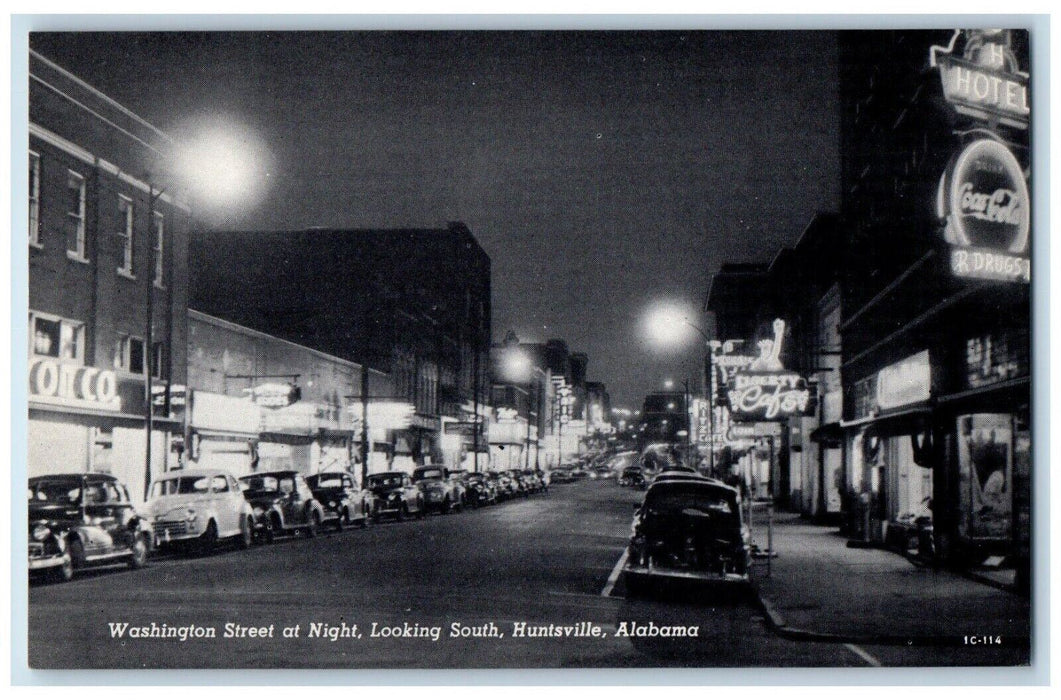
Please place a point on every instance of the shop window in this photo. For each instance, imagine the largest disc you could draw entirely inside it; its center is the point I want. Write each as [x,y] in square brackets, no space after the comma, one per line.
[75,216]
[125,234]
[34,199]
[129,354]
[57,337]
[158,226]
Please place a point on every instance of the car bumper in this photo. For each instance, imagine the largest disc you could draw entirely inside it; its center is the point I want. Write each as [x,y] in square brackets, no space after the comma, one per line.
[171,532]
[49,561]
[663,572]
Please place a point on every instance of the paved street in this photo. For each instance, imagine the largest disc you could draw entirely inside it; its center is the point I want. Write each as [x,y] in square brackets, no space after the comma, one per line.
[541,560]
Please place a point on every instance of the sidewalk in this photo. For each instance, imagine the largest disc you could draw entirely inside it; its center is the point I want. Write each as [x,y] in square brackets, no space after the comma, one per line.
[821,589]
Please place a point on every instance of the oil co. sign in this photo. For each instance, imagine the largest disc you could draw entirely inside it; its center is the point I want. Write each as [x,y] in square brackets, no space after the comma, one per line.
[64,384]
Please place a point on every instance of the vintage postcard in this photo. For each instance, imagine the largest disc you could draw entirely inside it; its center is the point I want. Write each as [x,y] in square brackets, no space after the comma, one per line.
[529,349]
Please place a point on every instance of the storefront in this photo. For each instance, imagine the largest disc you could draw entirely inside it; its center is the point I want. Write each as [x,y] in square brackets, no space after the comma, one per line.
[83,418]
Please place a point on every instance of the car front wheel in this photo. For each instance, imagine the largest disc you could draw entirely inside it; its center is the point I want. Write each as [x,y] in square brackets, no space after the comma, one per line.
[314,525]
[208,540]
[138,556]
[246,532]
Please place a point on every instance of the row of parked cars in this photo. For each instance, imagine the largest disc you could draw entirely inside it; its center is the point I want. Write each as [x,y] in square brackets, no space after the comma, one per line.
[88,519]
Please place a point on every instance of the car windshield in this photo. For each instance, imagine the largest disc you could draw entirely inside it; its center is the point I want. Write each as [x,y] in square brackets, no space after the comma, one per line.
[679,499]
[327,481]
[181,485]
[428,474]
[384,481]
[55,492]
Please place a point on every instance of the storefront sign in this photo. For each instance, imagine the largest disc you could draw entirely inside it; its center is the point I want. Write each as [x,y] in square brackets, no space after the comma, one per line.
[765,391]
[905,382]
[985,83]
[983,200]
[507,415]
[61,383]
[463,428]
[751,431]
[275,395]
[769,396]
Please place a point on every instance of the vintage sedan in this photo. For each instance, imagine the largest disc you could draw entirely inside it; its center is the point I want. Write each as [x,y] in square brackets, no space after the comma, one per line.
[480,490]
[688,528]
[82,520]
[396,495]
[343,502]
[283,503]
[440,493]
[199,507]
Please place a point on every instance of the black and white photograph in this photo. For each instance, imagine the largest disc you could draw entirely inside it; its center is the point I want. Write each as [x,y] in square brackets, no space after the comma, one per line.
[554,348]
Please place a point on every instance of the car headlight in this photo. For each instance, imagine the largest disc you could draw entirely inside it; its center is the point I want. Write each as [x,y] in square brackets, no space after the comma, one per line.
[41,532]
[331,504]
[190,515]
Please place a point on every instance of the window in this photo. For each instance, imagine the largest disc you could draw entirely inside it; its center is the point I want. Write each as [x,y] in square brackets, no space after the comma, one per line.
[125,218]
[220,484]
[75,216]
[129,354]
[57,337]
[34,199]
[159,229]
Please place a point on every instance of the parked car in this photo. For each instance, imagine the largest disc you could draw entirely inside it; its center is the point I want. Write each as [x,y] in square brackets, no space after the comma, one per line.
[620,462]
[439,492]
[396,495]
[506,487]
[82,520]
[561,474]
[479,489]
[283,503]
[534,480]
[632,476]
[460,490]
[688,528]
[343,502]
[199,507]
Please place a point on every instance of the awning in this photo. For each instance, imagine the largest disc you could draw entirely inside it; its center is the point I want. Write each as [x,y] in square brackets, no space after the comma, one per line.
[991,391]
[902,421]
[829,435]
[286,438]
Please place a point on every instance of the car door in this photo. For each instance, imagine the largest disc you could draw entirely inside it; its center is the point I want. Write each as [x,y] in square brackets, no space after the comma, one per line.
[100,519]
[220,497]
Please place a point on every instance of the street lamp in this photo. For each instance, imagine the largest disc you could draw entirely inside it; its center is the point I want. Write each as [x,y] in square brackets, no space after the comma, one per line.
[669,324]
[215,166]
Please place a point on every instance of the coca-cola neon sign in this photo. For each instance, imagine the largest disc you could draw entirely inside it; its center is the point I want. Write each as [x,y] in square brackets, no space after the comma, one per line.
[984,204]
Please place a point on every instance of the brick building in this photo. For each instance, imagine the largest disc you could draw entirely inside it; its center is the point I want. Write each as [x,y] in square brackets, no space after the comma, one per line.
[102,243]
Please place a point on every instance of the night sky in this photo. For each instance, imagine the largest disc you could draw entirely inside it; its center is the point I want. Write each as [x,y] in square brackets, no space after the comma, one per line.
[601,171]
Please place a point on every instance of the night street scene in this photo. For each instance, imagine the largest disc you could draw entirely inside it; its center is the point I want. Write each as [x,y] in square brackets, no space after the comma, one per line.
[530,350]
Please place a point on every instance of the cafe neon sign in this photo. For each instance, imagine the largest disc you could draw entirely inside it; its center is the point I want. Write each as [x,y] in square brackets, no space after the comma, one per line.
[765,391]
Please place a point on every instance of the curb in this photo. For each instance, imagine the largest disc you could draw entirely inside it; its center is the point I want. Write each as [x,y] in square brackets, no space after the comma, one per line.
[776,622]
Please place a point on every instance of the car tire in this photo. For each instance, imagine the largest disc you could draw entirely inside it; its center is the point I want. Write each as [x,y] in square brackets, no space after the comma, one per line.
[246,532]
[65,571]
[77,553]
[403,513]
[366,516]
[421,510]
[208,540]
[343,519]
[313,525]
[138,557]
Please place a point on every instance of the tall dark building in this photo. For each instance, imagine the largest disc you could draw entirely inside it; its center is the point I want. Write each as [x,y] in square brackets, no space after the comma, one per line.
[414,303]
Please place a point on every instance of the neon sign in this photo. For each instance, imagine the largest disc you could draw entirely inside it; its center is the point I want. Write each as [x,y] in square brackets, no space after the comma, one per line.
[985,83]
[983,200]
[765,391]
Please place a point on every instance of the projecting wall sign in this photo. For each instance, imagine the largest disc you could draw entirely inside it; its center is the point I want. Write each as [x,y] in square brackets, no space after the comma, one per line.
[766,391]
[983,200]
[985,83]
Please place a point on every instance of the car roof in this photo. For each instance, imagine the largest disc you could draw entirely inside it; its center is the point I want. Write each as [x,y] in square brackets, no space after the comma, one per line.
[698,482]
[272,472]
[387,474]
[95,476]
[192,472]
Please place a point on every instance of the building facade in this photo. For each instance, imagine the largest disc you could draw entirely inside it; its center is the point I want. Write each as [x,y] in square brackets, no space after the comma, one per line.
[411,303]
[936,367]
[107,287]
[256,402]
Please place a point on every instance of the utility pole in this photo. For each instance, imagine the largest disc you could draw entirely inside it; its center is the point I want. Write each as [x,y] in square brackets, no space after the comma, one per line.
[475,401]
[364,425]
[149,335]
